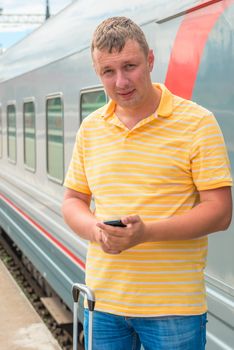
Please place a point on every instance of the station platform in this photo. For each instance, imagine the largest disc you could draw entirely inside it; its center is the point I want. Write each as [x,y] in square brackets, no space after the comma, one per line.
[21,328]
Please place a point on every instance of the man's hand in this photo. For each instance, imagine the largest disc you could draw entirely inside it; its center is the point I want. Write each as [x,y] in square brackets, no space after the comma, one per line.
[212,214]
[116,239]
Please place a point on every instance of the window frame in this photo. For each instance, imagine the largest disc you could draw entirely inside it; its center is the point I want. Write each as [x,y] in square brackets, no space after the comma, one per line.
[90,90]
[28,100]
[50,97]
[11,103]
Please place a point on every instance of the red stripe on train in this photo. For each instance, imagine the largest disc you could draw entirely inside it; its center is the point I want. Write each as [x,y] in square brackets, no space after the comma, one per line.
[54,240]
[189,44]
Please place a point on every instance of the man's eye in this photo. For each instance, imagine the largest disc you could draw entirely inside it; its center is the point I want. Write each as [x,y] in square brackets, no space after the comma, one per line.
[130,66]
[107,72]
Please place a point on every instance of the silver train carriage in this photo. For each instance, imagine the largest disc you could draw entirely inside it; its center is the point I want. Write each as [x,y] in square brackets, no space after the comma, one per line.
[48,85]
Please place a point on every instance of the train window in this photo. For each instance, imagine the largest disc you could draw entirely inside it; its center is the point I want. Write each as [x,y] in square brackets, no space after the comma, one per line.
[55,138]
[91,100]
[11,132]
[29,135]
[0,131]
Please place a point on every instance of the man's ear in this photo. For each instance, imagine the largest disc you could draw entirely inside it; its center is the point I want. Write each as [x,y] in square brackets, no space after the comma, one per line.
[93,62]
[151,59]
[94,67]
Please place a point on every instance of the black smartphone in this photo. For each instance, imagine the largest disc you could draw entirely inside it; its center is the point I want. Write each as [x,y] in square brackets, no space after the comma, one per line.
[115,223]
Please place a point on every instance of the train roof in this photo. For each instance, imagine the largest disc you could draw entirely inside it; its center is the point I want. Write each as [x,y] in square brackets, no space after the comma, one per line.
[70,30]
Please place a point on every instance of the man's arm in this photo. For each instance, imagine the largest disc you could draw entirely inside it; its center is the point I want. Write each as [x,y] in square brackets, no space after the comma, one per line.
[212,214]
[78,215]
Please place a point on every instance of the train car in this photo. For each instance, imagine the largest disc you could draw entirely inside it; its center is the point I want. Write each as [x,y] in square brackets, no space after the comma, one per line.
[48,86]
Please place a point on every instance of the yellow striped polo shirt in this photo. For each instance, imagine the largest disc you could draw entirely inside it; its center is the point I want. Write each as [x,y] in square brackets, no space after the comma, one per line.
[154,170]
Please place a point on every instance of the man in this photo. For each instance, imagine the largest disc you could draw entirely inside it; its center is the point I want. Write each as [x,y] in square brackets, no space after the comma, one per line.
[159,163]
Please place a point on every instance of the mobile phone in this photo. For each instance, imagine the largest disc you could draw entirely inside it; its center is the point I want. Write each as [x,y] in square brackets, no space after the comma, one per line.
[115,223]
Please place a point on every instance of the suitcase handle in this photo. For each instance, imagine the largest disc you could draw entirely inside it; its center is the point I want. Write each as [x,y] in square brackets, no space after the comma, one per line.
[76,289]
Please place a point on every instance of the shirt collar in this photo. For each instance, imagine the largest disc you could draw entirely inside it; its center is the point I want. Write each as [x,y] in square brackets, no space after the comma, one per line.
[164,109]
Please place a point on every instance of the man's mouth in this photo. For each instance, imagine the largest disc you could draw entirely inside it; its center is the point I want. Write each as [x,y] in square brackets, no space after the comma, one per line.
[126,93]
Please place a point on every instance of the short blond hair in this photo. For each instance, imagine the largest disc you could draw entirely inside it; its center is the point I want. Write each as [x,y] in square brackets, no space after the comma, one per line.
[114,32]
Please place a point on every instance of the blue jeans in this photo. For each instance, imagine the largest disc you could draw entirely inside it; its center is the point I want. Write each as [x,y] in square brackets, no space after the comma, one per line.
[112,332]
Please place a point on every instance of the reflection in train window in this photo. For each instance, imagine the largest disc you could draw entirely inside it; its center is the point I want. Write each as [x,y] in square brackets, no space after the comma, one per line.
[55,138]
[91,100]
[29,135]
[11,133]
[0,131]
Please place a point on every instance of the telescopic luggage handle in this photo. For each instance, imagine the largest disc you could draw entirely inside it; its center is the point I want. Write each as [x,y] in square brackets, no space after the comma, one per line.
[76,289]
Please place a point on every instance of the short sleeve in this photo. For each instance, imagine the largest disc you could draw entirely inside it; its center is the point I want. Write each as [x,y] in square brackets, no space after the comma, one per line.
[75,177]
[209,159]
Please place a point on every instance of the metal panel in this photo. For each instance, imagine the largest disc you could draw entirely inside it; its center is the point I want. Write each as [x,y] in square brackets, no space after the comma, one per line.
[54,265]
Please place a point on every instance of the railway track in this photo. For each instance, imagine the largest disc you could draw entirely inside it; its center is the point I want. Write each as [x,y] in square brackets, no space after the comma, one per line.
[33,286]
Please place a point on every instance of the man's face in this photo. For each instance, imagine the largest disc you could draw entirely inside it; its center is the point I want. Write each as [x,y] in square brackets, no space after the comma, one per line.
[126,74]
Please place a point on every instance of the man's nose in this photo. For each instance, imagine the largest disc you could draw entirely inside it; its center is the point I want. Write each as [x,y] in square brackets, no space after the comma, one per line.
[121,80]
